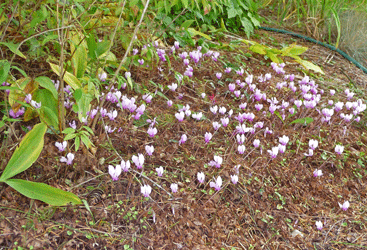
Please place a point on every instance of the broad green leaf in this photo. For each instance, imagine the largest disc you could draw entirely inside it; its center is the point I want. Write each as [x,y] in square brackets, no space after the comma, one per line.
[46,82]
[68,131]
[102,47]
[305,120]
[4,70]
[259,49]
[14,48]
[194,32]
[77,143]
[273,57]
[86,141]
[27,153]
[49,108]
[309,65]
[79,61]
[49,116]
[187,24]
[68,77]
[88,129]
[44,192]
[293,50]
[69,137]
[92,45]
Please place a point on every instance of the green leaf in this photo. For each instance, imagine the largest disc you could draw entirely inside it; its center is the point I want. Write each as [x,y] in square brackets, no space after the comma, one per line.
[86,141]
[4,70]
[259,49]
[79,61]
[77,143]
[309,65]
[194,32]
[46,82]
[187,24]
[293,50]
[102,48]
[68,131]
[92,46]
[68,77]
[43,192]
[14,48]
[88,129]
[49,109]
[305,120]
[27,153]
[49,116]
[78,94]
[69,137]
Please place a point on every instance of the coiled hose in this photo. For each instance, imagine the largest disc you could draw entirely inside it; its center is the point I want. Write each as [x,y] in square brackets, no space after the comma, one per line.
[345,55]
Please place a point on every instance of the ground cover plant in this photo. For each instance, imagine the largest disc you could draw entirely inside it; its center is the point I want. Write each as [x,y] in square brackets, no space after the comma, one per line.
[211,146]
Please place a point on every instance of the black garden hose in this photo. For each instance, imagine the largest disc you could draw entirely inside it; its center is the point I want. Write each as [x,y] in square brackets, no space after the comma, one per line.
[318,42]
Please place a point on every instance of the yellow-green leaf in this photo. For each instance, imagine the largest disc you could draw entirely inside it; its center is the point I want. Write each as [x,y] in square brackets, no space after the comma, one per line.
[27,153]
[68,77]
[44,192]
[309,65]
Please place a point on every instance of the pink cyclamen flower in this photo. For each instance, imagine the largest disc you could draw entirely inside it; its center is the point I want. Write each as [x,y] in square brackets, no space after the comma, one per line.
[313,144]
[102,76]
[28,98]
[225,121]
[317,173]
[273,152]
[183,139]
[138,160]
[173,86]
[214,109]
[216,125]
[152,131]
[149,149]
[61,145]
[169,103]
[208,136]
[147,98]
[141,61]
[159,171]
[146,190]
[281,148]
[222,110]
[114,172]
[241,149]
[234,179]
[174,187]
[217,184]
[180,116]
[217,161]
[201,177]
[310,152]
[231,87]
[284,140]
[256,143]
[68,159]
[319,225]
[125,165]
[339,149]
[344,206]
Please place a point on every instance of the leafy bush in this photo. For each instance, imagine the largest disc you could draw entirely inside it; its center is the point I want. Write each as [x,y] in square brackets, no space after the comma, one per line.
[234,15]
